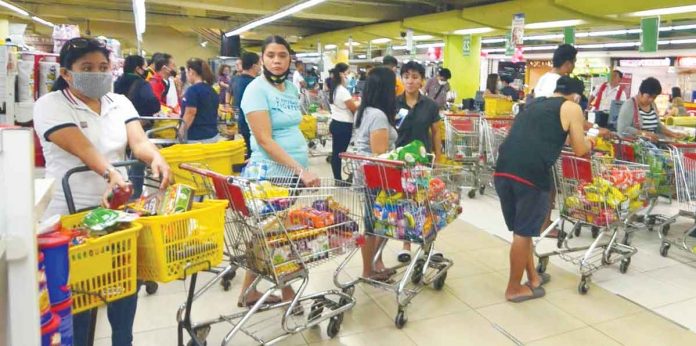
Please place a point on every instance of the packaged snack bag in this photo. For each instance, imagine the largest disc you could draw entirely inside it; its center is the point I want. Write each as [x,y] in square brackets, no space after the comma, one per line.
[177,199]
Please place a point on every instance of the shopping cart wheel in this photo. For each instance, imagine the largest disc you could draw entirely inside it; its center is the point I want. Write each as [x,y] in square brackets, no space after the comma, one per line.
[440,282]
[328,158]
[334,326]
[226,281]
[561,238]
[664,249]
[151,287]
[472,193]
[577,228]
[625,263]
[665,229]
[316,310]
[417,275]
[201,334]
[584,285]
[595,232]
[482,189]
[401,319]
[541,266]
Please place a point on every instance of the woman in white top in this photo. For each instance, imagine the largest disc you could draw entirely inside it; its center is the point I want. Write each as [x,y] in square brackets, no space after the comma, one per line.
[82,123]
[342,110]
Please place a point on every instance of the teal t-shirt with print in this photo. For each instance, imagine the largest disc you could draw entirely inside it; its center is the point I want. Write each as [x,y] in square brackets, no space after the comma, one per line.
[285,114]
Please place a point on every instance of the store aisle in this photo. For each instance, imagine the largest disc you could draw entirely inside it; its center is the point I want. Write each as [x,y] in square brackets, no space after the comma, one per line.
[471,309]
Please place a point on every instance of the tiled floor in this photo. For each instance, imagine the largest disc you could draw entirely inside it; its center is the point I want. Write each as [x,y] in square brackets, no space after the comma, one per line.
[471,309]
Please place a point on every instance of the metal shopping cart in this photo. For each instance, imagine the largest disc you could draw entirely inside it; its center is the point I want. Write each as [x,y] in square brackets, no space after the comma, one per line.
[684,160]
[495,130]
[599,192]
[280,230]
[409,204]
[464,145]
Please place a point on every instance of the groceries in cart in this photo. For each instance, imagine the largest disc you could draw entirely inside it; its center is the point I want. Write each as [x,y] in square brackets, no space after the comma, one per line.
[176,199]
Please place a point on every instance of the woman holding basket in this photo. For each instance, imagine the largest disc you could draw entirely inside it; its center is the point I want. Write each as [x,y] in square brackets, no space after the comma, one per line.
[82,123]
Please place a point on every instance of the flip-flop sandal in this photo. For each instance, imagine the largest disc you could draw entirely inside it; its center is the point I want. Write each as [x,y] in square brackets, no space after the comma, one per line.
[536,293]
[272,299]
[545,278]
[382,276]
[404,256]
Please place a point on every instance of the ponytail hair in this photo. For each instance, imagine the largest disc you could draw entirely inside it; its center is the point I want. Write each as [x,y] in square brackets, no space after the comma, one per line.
[202,69]
[73,50]
[336,79]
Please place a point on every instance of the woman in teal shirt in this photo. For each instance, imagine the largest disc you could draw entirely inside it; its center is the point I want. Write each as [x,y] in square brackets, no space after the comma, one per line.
[271,105]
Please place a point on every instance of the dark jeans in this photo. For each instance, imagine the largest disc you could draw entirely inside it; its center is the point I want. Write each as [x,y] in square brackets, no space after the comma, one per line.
[121,314]
[602,119]
[341,133]
[136,174]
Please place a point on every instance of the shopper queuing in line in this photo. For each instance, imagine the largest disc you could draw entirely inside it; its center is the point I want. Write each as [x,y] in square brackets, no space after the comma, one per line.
[438,87]
[523,177]
[151,66]
[164,67]
[676,106]
[298,77]
[272,109]
[564,58]
[600,100]
[250,70]
[376,134]
[493,87]
[417,118]
[362,78]
[132,85]
[223,79]
[200,104]
[391,62]
[638,116]
[508,90]
[342,109]
[81,123]
[184,81]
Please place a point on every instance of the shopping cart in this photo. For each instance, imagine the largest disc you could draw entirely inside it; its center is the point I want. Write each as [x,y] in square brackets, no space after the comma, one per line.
[599,192]
[409,204]
[280,230]
[684,160]
[165,131]
[495,130]
[464,145]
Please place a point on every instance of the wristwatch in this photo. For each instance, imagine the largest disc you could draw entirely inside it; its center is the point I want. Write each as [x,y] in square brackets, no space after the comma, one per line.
[107,173]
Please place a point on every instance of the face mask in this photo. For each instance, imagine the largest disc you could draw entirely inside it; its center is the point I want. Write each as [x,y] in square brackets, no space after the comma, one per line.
[442,82]
[92,84]
[275,79]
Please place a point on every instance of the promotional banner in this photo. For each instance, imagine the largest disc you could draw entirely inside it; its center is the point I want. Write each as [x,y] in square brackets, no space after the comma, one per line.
[466,45]
[509,47]
[368,55]
[649,34]
[569,35]
[518,30]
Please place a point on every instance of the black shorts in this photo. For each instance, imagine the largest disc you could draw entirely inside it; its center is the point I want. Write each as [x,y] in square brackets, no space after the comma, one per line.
[524,207]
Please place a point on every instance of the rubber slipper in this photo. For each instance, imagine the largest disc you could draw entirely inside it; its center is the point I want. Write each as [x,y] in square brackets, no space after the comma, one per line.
[272,299]
[545,278]
[382,276]
[404,256]
[536,293]
[388,271]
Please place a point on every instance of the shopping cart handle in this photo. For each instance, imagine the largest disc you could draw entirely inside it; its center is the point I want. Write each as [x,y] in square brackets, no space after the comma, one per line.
[352,156]
[204,172]
[67,191]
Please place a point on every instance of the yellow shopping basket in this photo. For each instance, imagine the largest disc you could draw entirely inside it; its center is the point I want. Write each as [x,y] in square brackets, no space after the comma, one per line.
[104,268]
[173,246]
[497,106]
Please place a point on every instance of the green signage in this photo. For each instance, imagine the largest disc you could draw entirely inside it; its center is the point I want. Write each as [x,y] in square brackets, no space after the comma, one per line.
[649,34]
[466,45]
[509,46]
[569,35]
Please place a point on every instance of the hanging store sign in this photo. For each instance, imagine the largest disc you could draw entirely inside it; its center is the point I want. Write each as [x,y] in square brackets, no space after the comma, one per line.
[569,35]
[645,62]
[649,34]
[466,45]
[368,54]
[509,47]
[518,29]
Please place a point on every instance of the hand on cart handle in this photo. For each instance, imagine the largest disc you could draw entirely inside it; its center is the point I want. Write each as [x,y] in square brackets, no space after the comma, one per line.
[650,136]
[309,179]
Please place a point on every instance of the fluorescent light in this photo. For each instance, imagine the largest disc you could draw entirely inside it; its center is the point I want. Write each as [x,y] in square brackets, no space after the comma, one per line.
[539,48]
[362,56]
[14,8]
[352,44]
[278,15]
[330,46]
[543,37]
[555,24]
[663,11]
[473,31]
[44,22]
[493,40]
[431,45]
[399,48]
[422,37]
[683,41]
[493,50]
[308,55]
[381,40]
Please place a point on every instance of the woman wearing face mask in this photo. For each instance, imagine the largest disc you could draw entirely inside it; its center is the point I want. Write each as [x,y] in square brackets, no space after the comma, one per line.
[342,110]
[493,87]
[82,123]
[272,110]
[200,104]
[638,115]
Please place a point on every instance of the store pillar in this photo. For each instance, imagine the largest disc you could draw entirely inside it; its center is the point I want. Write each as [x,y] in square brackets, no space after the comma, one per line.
[465,64]
[4,29]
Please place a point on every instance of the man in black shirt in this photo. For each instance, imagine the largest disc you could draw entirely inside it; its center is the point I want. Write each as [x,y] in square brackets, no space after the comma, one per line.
[250,70]
[508,90]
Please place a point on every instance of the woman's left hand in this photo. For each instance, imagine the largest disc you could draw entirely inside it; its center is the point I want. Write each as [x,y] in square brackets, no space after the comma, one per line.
[160,169]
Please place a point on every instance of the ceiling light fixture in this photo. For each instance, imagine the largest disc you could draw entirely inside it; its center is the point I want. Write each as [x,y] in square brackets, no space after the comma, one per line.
[44,22]
[278,15]
[473,31]
[13,8]
[664,11]
[422,37]
[431,45]
[330,46]
[308,55]
[362,56]
[493,40]
[554,24]
[354,44]
[543,37]
[381,40]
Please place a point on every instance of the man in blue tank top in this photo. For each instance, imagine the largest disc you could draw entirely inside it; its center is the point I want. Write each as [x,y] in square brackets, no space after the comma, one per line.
[523,176]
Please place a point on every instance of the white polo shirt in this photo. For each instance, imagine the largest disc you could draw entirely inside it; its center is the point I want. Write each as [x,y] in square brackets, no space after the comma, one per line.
[339,110]
[106,131]
[297,79]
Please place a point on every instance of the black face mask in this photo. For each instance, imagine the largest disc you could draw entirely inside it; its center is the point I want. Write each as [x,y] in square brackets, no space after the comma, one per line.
[275,79]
